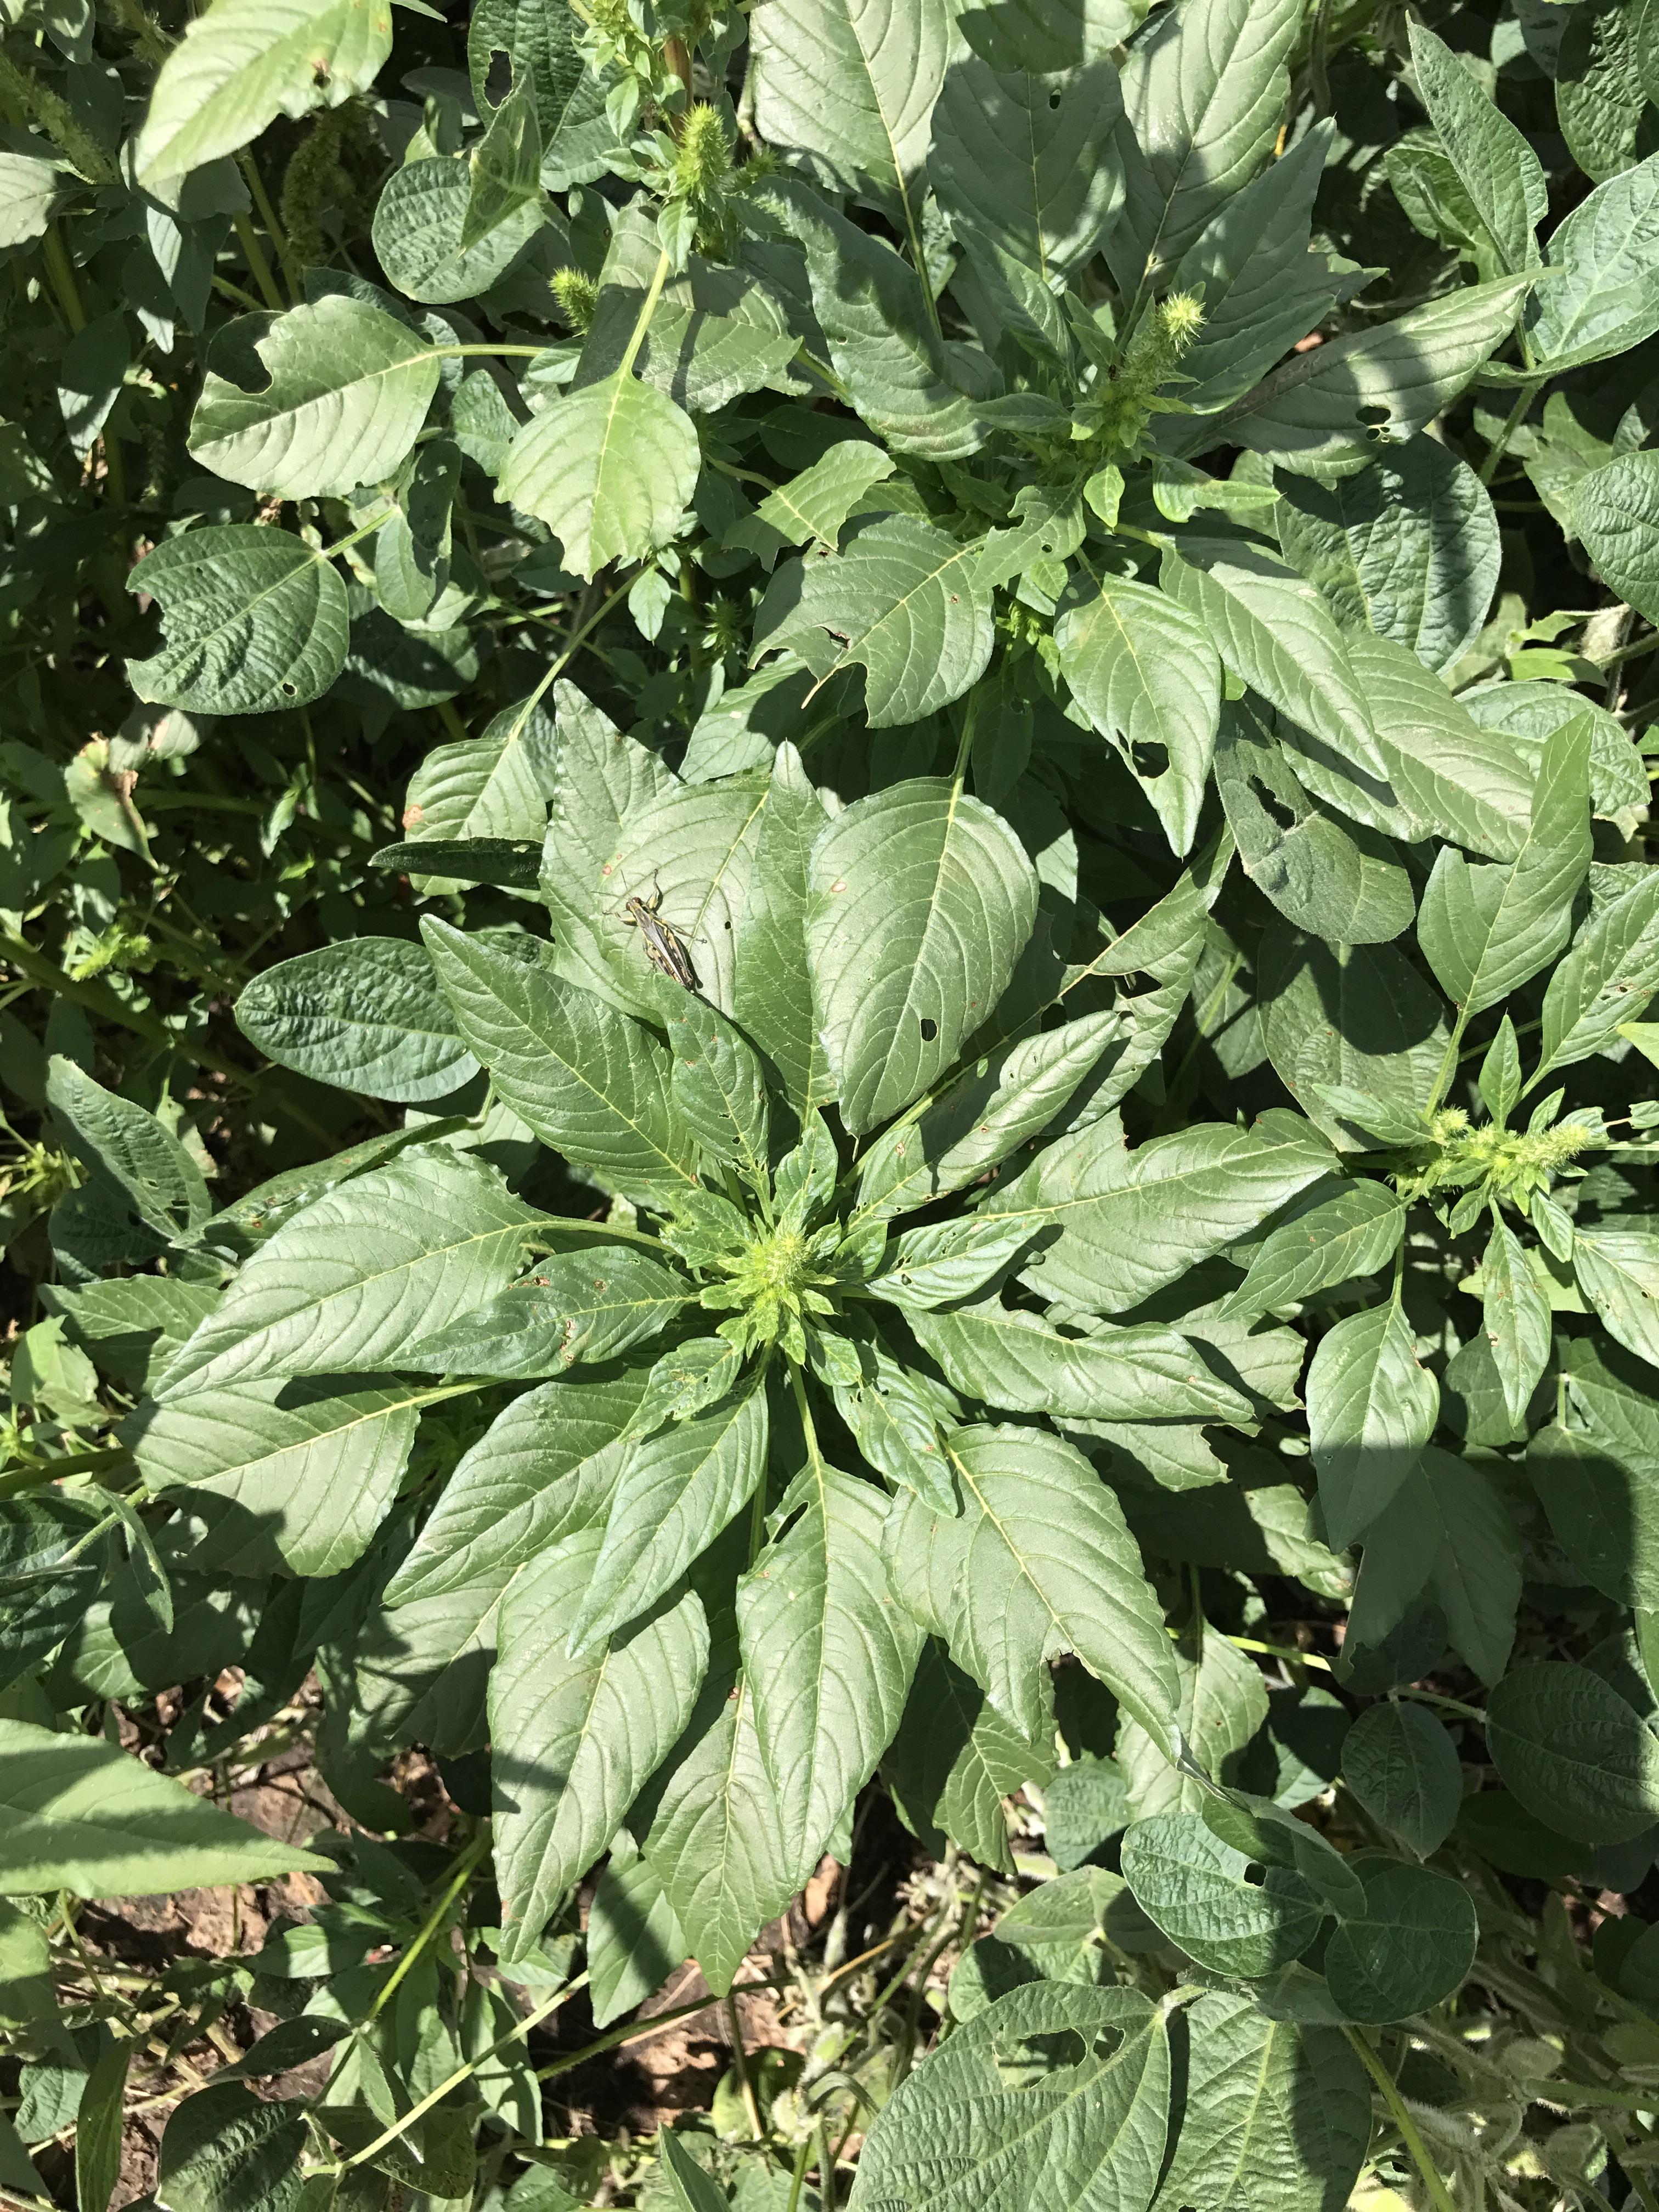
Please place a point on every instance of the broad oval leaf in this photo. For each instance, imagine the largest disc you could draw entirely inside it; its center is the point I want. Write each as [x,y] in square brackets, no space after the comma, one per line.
[255,622]
[609,469]
[922,901]
[346,388]
[1400,1762]
[1200,1891]
[1574,1752]
[366,1014]
[1412,1945]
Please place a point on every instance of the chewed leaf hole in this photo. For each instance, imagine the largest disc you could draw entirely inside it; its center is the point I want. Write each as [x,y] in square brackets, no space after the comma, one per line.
[929,1030]
[1254,1875]
[1025,2061]
[1285,817]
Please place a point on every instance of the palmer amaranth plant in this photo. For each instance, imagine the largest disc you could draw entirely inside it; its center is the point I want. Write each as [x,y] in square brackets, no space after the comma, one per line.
[824,845]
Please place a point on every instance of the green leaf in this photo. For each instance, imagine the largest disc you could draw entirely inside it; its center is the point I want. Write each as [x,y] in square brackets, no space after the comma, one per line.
[1403,1767]
[954,1760]
[256,622]
[923,900]
[330,396]
[691,847]
[413,545]
[1599,89]
[496,786]
[847,91]
[1447,776]
[1602,297]
[689,2188]
[811,507]
[545,1467]
[1485,930]
[1038,1561]
[1198,1891]
[83,1816]
[28,195]
[1222,1706]
[242,63]
[942,1263]
[98,2120]
[447,230]
[915,392]
[1371,1408]
[1502,175]
[1027,161]
[1356,1233]
[1144,671]
[366,1014]
[634,1940]
[772,987]
[1130,1222]
[831,1653]
[1408,547]
[718,1084]
[1324,408]
[999,1103]
[1205,93]
[145,1158]
[1618,1271]
[1276,632]
[1011,1359]
[1413,1944]
[1475,1577]
[573,1740]
[718,1843]
[589,1081]
[1277,2117]
[227,2150]
[539,44]
[1517,1319]
[609,469]
[296,1475]
[676,1492]
[360,1274]
[583,1306]
[904,601]
[1574,1752]
[1606,979]
[1342,881]
[1056,2093]
[1598,1480]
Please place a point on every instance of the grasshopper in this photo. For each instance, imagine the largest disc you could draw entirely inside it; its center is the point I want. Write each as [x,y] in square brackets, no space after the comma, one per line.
[663,946]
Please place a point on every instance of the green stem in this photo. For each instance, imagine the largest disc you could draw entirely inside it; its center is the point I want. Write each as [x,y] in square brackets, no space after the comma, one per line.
[464,1872]
[61,270]
[797,2180]
[1449,1061]
[633,2029]
[254,255]
[451,721]
[274,231]
[1524,397]
[739,2061]
[1439,2195]
[642,323]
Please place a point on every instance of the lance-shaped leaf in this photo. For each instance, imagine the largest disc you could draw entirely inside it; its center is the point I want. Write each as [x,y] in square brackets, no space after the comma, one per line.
[1606,979]
[1485,930]
[718,1843]
[718,1082]
[1275,630]
[1371,1408]
[1448,777]
[811,507]
[1353,1234]
[543,1468]
[348,1284]
[574,1741]
[609,469]
[1130,1222]
[494,787]
[1011,1359]
[1602,296]
[1496,166]
[830,1652]
[1278,2116]
[691,847]
[987,1114]
[1205,93]
[1054,2095]
[139,1152]
[923,900]
[1618,1271]
[847,88]
[577,1306]
[328,397]
[304,1473]
[1144,670]
[255,622]
[905,601]
[1322,409]
[1038,1561]
[1516,1314]
[242,63]
[772,987]
[1222,1704]
[677,1491]
[587,1079]
[366,1014]
[83,1816]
